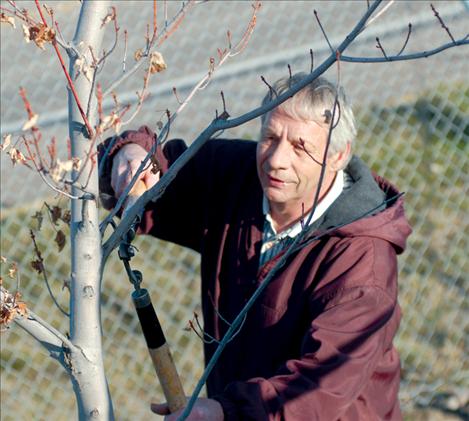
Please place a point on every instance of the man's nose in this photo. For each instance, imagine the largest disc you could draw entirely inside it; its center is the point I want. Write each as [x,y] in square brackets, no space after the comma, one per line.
[279,155]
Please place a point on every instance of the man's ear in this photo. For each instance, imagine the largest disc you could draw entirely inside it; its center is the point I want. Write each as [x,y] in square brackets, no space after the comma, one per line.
[337,161]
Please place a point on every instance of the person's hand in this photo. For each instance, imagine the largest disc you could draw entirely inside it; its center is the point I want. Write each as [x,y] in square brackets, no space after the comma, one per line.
[204,410]
[125,164]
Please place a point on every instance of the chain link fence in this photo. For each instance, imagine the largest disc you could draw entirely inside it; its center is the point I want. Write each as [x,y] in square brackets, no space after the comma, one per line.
[413,129]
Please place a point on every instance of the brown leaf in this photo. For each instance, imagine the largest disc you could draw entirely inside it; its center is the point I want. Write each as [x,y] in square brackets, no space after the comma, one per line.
[112,120]
[157,63]
[30,123]
[3,259]
[13,270]
[67,216]
[38,266]
[26,34]
[6,142]
[16,156]
[38,216]
[138,54]
[7,19]
[41,34]
[60,240]
[55,214]
[109,17]
[81,66]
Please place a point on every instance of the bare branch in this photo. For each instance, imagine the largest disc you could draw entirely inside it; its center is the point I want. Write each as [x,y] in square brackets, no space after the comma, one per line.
[440,19]
[413,56]
[44,274]
[67,75]
[176,20]
[47,335]
[406,40]
[379,46]
[323,31]
[271,89]
[164,132]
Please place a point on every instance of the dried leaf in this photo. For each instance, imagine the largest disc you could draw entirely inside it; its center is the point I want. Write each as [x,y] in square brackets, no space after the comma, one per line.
[81,66]
[39,217]
[60,168]
[37,266]
[21,308]
[30,123]
[3,259]
[41,34]
[65,166]
[76,163]
[55,214]
[6,142]
[55,173]
[11,307]
[109,17]
[112,120]
[13,269]
[138,54]
[157,63]
[67,217]
[7,19]
[26,35]
[16,156]
[60,240]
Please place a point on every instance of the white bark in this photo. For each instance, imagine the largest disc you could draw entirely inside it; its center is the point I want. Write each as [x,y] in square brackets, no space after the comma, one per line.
[86,359]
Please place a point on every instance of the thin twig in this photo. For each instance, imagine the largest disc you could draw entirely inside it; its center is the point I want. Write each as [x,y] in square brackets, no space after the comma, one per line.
[271,89]
[164,132]
[440,19]
[40,171]
[67,75]
[125,50]
[155,13]
[44,274]
[406,40]
[141,97]
[379,46]
[323,31]
[312,60]
[177,18]
[413,56]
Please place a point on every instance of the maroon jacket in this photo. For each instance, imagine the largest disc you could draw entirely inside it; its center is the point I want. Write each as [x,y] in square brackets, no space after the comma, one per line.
[317,345]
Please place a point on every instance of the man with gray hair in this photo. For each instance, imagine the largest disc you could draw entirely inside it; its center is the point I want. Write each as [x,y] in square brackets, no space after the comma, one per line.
[318,343]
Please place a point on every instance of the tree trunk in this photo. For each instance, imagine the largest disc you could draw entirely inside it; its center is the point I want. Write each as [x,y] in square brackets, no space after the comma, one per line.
[86,360]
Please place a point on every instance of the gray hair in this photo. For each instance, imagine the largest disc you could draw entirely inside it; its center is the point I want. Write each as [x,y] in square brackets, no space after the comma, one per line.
[315,102]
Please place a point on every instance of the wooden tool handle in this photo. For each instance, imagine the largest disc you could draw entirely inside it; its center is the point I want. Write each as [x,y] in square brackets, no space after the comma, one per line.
[159,350]
[168,376]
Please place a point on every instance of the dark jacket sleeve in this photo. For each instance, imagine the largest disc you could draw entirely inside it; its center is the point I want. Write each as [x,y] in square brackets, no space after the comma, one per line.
[177,216]
[341,349]
[108,149]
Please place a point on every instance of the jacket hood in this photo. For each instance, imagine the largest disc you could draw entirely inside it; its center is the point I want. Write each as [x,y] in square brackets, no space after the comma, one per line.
[370,207]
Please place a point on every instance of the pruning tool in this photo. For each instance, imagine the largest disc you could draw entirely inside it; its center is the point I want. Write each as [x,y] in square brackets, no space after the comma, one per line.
[156,342]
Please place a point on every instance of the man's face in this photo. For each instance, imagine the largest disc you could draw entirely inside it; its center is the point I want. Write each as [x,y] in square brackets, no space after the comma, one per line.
[289,154]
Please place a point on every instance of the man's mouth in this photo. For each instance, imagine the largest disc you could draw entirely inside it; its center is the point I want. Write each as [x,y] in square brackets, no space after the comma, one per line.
[275,182]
